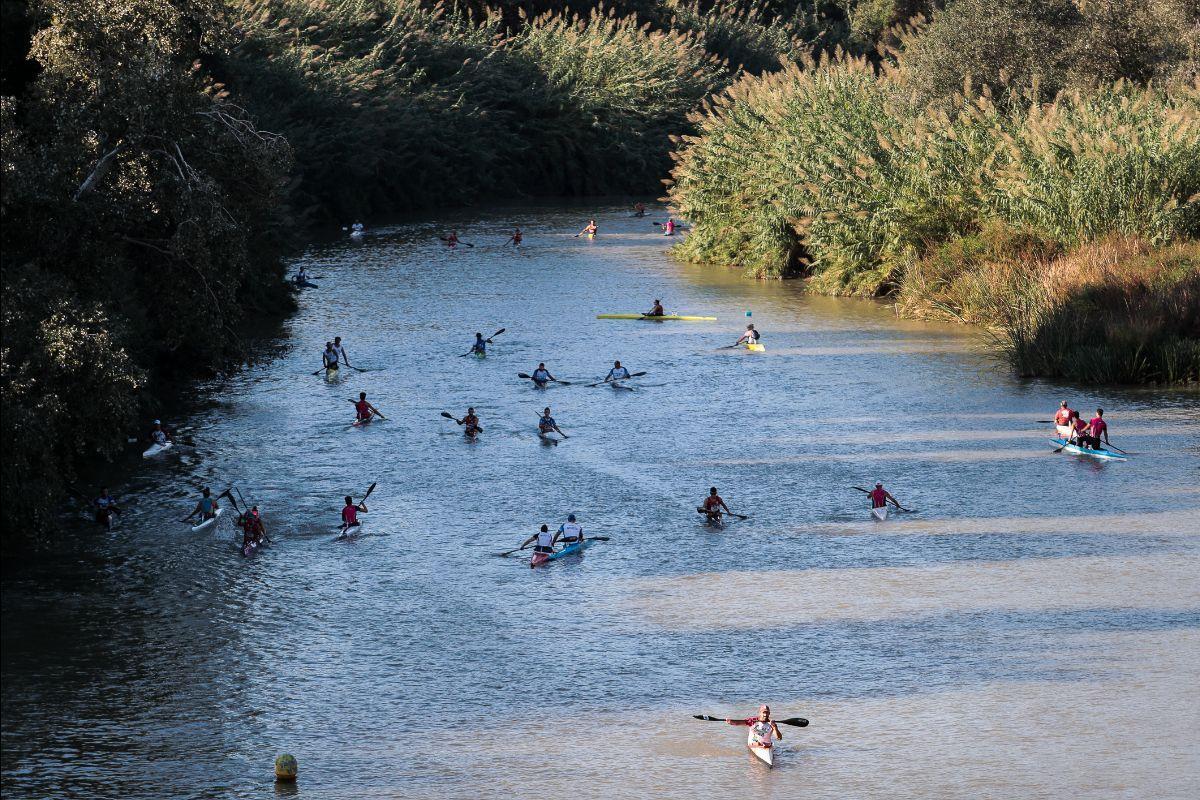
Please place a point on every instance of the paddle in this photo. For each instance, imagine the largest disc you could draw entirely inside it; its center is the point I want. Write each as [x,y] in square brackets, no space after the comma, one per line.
[460,241]
[530,378]
[601,383]
[1114,447]
[799,722]
[448,415]
[381,416]
[701,510]
[247,505]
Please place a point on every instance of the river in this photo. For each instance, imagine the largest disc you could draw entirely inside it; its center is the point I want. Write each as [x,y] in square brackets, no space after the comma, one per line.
[1032,631]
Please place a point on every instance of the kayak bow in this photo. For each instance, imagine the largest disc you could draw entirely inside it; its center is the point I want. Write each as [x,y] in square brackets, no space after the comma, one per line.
[570,550]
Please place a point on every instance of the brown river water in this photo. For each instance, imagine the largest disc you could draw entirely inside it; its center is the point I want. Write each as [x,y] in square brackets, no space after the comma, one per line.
[1031,631]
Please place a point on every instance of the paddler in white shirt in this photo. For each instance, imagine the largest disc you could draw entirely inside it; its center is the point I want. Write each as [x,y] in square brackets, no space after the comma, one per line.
[617,373]
[762,728]
[570,531]
[545,541]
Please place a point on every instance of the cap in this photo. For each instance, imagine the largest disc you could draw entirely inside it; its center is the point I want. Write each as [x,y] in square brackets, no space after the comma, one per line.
[158,422]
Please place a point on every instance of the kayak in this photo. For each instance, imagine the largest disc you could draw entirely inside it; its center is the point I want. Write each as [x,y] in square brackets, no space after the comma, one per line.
[1063,431]
[304,284]
[1102,452]
[350,533]
[763,753]
[157,448]
[618,385]
[480,354]
[208,523]
[331,373]
[361,423]
[755,347]
[250,549]
[880,513]
[570,550]
[547,438]
[664,318]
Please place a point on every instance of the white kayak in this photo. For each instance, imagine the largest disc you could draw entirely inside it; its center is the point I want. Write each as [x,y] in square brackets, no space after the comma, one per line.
[880,513]
[157,448]
[351,532]
[763,753]
[210,522]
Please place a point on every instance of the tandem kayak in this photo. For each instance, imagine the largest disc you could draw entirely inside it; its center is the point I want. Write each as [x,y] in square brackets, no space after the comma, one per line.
[570,550]
[880,513]
[664,318]
[210,522]
[1102,452]
[763,752]
[156,448]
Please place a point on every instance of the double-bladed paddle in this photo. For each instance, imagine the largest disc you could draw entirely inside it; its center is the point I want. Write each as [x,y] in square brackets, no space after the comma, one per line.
[601,383]
[344,530]
[799,722]
[530,378]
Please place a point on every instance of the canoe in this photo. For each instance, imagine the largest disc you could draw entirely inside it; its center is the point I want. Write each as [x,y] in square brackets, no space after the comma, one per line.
[1102,453]
[664,318]
[210,522]
[156,448]
[880,513]
[764,753]
[755,347]
[570,550]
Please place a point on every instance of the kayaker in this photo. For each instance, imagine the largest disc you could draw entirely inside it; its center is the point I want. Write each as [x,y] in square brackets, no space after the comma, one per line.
[569,532]
[546,424]
[1063,415]
[480,345]
[669,227]
[639,209]
[1097,429]
[541,376]
[1079,431]
[451,240]
[712,505]
[329,358]
[617,373]
[301,276]
[880,497]
[590,229]
[545,540]
[762,728]
[206,508]
[471,423]
[253,530]
[357,227]
[515,239]
[365,410]
[106,507]
[657,311]
[340,351]
[751,336]
[160,434]
[350,513]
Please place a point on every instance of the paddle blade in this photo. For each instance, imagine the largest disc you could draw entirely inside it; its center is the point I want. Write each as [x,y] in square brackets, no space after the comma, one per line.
[370,489]
[447,415]
[523,375]
[497,333]
[707,718]
[799,722]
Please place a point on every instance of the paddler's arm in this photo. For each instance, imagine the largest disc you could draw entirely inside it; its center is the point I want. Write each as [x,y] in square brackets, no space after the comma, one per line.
[775,728]
[528,541]
[362,507]
[895,502]
[345,357]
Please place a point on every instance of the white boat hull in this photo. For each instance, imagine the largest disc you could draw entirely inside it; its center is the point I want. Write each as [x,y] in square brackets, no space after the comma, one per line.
[880,513]
[208,523]
[156,448]
[765,754]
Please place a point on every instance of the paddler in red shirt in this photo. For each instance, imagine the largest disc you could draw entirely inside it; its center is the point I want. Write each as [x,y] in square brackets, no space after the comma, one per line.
[712,506]
[762,728]
[1063,415]
[365,410]
[1097,429]
[880,497]
[1079,430]
[350,514]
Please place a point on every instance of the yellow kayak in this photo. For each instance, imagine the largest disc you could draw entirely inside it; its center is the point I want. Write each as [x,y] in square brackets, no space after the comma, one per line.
[755,347]
[664,318]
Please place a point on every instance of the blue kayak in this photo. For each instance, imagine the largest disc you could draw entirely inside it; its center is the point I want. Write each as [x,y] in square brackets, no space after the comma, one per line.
[304,284]
[1087,451]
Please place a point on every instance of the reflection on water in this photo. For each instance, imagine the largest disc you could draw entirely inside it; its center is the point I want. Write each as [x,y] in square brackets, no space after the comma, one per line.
[1033,631]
